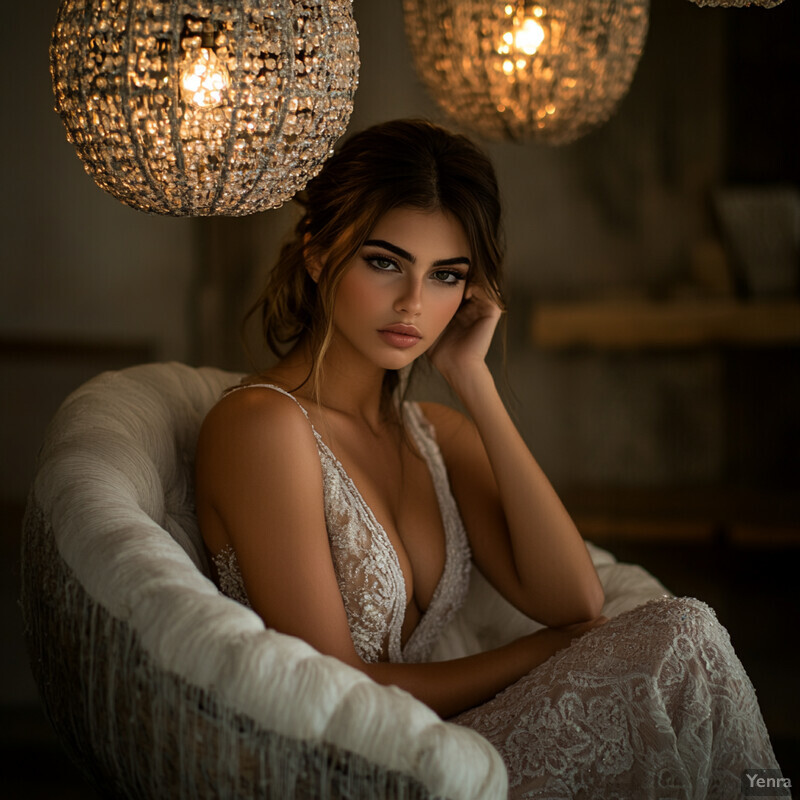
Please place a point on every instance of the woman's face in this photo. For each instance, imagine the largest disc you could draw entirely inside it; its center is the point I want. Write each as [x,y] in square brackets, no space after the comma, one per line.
[403,288]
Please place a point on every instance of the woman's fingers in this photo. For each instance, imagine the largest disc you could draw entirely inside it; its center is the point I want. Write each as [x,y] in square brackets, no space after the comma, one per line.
[477,297]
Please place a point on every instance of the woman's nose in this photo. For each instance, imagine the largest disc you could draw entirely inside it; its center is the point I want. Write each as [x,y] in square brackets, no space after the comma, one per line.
[409,300]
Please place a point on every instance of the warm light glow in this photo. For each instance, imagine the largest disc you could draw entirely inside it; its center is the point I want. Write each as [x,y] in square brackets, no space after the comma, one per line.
[524,40]
[546,69]
[205,80]
[529,36]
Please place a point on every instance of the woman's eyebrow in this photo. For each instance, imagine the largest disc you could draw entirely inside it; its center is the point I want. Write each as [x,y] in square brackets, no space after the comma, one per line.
[392,248]
[404,254]
[448,262]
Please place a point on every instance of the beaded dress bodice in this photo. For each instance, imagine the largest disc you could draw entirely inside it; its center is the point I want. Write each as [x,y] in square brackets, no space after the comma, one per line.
[366,564]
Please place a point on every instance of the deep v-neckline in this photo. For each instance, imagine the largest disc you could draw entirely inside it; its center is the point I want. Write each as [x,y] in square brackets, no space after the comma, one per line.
[386,542]
[386,539]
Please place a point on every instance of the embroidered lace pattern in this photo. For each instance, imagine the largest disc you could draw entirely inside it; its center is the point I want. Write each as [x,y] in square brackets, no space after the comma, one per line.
[366,564]
[654,704]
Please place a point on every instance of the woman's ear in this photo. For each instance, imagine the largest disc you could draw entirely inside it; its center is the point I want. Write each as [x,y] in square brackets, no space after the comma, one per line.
[312,260]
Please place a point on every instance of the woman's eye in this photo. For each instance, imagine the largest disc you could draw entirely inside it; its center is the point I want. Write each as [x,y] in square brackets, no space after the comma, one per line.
[449,276]
[381,263]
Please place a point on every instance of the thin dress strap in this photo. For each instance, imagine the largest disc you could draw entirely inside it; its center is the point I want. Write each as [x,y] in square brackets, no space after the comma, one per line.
[272,386]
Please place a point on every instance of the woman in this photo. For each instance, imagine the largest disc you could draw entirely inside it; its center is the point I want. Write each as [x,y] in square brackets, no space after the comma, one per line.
[349,518]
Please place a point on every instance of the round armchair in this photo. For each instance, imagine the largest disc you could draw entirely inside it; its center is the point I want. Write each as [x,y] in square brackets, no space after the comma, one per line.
[160,686]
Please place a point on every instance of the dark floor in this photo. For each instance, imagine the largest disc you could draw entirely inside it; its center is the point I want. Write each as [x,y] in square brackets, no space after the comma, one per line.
[752,591]
[33,765]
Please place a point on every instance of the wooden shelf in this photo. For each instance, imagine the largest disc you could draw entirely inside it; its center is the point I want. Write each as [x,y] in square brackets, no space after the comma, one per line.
[633,324]
[740,517]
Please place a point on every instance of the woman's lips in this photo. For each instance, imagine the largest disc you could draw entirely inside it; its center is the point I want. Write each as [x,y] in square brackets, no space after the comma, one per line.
[400,335]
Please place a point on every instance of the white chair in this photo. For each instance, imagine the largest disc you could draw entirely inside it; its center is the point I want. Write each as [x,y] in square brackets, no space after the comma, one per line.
[161,687]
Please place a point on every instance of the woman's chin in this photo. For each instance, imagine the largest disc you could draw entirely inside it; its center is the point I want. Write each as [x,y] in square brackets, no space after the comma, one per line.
[398,361]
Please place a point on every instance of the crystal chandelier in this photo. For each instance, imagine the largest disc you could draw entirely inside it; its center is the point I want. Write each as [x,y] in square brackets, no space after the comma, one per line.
[549,70]
[204,107]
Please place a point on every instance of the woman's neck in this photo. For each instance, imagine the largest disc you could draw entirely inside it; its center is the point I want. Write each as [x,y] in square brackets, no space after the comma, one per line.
[345,387]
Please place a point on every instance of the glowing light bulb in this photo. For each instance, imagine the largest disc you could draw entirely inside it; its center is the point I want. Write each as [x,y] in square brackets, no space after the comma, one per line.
[529,36]
[205,80]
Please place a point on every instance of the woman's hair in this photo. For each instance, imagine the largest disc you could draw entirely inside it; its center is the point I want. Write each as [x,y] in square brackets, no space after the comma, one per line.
[404,163]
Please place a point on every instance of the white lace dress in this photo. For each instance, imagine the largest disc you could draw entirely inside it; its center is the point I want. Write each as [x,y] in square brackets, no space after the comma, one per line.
[654,704]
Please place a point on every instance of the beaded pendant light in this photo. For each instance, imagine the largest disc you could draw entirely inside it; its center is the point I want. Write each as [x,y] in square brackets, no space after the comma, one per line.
[204,107]
[549,70]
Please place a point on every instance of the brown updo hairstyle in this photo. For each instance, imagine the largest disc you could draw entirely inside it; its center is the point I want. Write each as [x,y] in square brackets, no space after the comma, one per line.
[403,163]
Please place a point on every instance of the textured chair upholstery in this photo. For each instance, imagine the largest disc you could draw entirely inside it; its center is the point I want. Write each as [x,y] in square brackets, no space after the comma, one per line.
[158,685]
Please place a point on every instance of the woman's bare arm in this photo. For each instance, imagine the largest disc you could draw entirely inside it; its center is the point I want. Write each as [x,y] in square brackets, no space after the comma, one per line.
[259,489]
[522,537]
[450,687]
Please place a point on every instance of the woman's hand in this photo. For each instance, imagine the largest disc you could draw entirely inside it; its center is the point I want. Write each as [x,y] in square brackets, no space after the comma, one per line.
[465,342]
[579,628]
[555,639]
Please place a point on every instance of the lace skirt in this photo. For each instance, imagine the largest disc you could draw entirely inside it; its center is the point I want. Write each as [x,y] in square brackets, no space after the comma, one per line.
[653,704]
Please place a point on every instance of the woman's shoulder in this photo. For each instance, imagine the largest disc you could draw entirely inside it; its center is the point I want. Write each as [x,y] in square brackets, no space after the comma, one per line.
[253,416]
